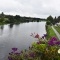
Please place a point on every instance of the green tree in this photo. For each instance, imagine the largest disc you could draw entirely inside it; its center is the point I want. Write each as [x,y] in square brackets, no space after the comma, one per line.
[2,17]
[50,18]
[55,20]
[11,19]
[17,18]
[58,19]
[48,23]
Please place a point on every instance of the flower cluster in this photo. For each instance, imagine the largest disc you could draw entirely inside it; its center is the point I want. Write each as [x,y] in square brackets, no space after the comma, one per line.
[13,53]
[54,41]
[38,36]
[38,50]
[44,36]
[14,49]
[35,35]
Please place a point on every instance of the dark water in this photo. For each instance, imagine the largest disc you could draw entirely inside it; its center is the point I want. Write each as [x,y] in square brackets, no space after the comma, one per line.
[18,36]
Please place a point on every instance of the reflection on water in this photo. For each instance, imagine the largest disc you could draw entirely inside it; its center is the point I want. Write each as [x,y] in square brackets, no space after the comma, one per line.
[1,29]
[11,25]
[18,35]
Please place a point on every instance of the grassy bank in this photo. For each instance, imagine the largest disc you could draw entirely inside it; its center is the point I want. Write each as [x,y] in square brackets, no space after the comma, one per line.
[50,32]
[57,28]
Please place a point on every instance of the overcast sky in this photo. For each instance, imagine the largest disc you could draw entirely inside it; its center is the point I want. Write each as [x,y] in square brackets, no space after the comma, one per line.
[33,8]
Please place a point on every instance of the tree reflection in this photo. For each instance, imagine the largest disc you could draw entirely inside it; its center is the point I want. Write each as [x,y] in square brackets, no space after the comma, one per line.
[17,23]
[11,25]
[1,29]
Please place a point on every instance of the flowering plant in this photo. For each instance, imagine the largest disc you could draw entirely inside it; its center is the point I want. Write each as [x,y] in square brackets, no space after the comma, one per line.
[43,49]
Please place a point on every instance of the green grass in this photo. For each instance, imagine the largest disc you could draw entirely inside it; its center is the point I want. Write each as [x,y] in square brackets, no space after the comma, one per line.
[57,28]
[50,32]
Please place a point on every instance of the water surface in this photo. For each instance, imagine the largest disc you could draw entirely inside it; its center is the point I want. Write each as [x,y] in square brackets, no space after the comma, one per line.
[18,36]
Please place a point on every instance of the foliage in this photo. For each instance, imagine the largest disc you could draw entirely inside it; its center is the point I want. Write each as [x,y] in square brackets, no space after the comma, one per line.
[50,18]
[17,19]
[48,23]
[58,19]
[49,50]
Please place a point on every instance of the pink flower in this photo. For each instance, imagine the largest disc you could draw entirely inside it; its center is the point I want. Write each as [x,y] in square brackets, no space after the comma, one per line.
[37,36]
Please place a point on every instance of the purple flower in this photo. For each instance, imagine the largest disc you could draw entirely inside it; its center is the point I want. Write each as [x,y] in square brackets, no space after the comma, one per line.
[58,42]
[52,41]
[45,35]
[14,49]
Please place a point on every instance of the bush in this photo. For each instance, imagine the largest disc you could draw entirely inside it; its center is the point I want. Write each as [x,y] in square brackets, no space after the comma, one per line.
[38,51]
[48,23]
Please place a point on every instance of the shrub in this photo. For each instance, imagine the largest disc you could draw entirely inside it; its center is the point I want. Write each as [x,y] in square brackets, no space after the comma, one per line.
[39,51]
[48,23]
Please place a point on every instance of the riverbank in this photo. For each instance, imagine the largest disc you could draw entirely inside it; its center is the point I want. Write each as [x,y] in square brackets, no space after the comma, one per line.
[50,32]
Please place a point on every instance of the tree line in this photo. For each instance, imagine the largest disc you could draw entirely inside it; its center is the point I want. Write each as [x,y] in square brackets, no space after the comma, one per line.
[17,19]
[51,20]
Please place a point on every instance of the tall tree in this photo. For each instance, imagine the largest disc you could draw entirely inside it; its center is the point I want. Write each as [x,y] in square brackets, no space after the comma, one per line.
[50,18]
[55,20]
[2,17]
[58,19]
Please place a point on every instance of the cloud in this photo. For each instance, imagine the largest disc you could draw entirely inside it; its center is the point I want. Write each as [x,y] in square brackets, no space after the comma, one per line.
[34,8]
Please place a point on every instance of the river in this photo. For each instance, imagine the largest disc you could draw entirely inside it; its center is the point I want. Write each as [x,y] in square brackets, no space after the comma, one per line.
[18,35]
